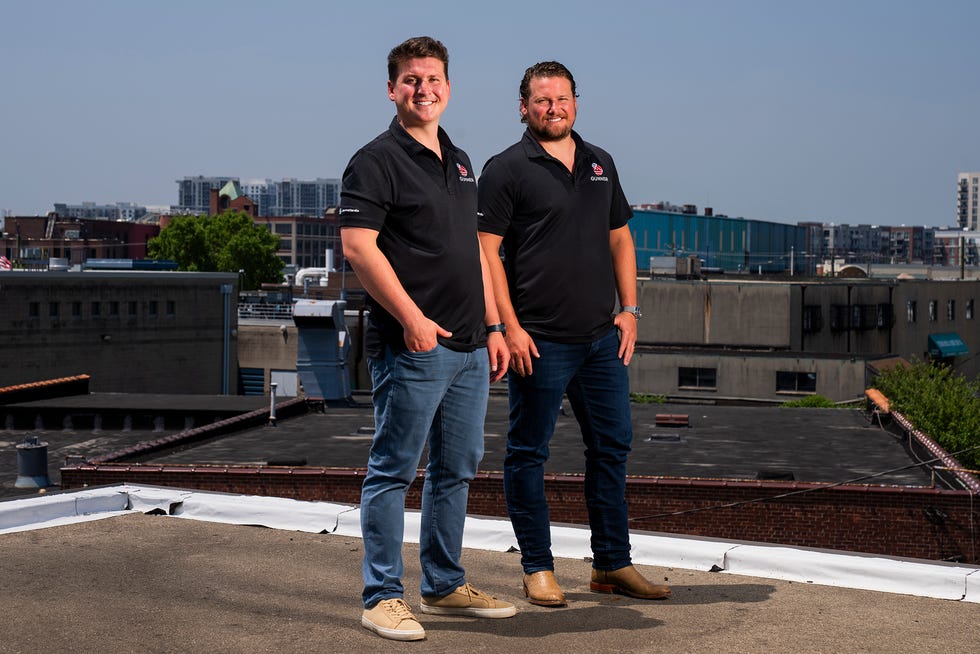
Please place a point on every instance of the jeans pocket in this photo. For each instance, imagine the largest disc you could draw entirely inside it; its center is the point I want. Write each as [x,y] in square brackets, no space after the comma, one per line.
[422,354]
[418,365]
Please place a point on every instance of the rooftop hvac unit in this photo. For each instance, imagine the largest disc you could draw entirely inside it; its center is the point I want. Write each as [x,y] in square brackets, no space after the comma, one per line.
[663,266]
[688,267]
[322,349]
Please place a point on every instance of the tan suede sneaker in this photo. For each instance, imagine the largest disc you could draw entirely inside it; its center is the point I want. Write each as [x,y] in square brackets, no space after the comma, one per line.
[468,601]
[393,618]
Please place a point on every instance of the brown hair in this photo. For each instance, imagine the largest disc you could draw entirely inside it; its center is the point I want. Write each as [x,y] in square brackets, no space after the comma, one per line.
[417,47]
[545,69]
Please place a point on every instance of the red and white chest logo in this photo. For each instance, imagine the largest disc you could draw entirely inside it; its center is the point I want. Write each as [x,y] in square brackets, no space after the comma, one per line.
[597,169]
[462,170]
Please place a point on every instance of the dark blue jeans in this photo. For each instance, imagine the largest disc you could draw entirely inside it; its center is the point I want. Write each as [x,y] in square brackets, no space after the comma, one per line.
[597,385]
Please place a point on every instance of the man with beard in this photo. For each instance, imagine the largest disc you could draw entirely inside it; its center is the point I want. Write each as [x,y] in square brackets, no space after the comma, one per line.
[555,204]
[434,342]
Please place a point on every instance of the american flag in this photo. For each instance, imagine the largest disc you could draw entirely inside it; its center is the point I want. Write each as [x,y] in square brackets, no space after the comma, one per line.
[5,263]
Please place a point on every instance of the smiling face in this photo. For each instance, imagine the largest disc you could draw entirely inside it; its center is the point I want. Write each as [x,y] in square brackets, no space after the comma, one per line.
[550,108]
[420,91]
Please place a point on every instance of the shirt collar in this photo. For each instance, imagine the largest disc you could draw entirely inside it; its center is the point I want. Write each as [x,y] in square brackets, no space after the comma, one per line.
[413,147]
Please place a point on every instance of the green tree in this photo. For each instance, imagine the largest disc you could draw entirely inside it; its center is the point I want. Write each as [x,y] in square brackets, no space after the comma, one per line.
[940,402]
[228,242]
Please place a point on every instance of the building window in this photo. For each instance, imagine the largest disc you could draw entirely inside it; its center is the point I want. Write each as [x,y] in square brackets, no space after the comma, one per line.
[864,316]
[132,308]
[796,382]
[53,310]
[114,309]
[154,308]
[171,308]
[932,310]
[34,310]
[969,309]
[950,310]
[812,318]
[910,308]
[886,317]
[697,377]
[839,317]
[96,309]
[76,310]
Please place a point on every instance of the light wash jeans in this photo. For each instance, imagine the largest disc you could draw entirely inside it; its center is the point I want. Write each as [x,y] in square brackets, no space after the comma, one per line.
[596,382]
[439,397]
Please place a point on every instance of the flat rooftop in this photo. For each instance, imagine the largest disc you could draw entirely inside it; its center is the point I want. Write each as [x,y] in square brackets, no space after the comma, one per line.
[195,581]
[205,578]
[726,442]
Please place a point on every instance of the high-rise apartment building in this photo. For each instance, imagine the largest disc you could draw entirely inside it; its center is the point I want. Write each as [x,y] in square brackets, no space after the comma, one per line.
[968,201]
[194,194]
[263,194]
[855,242]
[296,197]
[286,197]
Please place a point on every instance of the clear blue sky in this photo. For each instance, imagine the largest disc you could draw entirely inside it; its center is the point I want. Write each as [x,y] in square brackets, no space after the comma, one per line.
[854,111]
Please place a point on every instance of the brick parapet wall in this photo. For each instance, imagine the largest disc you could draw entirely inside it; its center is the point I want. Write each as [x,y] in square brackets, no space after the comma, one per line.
[902,521]
[882,406]
[43,390]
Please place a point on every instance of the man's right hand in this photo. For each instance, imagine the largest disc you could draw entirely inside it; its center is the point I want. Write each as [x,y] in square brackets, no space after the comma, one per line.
[420,335]
[522,350]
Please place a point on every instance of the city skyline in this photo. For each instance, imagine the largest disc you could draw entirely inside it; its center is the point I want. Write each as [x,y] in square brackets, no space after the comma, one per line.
[842,112]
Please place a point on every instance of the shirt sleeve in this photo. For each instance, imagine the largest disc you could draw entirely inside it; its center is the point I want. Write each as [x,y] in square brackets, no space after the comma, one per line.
[495,198]
[620,211]
[366,195]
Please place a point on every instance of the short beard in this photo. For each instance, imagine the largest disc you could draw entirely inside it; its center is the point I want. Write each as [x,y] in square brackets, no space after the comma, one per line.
[549,136]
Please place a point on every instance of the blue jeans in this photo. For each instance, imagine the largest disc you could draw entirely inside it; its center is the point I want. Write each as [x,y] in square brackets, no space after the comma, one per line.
[439,396]
[597,385]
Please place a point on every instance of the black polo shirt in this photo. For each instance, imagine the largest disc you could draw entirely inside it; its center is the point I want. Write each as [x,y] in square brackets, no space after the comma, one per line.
[555,227]
[424,211]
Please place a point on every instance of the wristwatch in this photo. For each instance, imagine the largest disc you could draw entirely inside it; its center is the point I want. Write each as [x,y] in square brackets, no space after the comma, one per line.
[631,309]
[499,327]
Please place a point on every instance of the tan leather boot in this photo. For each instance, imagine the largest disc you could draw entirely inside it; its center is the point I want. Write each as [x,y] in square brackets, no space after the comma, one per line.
[542,588]
[627,581]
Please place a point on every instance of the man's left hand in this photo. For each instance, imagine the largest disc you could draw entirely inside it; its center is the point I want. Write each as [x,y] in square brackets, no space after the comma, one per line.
[626,323]
[499,355]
